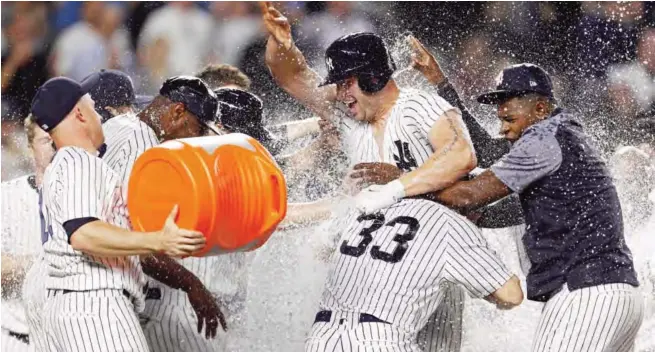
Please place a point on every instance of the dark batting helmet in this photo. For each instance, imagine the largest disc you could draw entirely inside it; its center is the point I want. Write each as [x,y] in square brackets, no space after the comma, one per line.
[362,55]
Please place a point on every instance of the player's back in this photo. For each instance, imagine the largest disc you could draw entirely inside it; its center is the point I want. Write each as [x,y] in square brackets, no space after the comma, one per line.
[393,264]
[126,138]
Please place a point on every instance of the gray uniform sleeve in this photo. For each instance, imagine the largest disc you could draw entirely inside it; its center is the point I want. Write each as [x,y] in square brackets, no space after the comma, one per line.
[535,155]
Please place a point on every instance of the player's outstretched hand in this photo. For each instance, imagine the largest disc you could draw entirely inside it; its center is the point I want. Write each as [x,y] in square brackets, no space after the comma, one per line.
[177,242]
[425,62]
[376,197]
[276,24]
[207,310]
[366,174]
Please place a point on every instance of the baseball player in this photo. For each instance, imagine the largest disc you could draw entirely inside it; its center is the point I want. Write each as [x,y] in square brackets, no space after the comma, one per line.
[388,274]
[421,133]
[21,249]
[178,305]
[95,283]
[580,265]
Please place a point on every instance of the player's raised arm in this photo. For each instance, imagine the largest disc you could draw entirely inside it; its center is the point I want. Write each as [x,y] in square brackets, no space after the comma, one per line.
[487,149]
[289,67]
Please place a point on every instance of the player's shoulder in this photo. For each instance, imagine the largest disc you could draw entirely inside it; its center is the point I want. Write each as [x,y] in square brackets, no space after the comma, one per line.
[431,211]
[418,103]
[125,127]
[19,183]
[74,159]
[124,123]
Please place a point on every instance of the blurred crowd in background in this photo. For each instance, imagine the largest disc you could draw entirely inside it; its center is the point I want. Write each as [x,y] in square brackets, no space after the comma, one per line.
[601,55]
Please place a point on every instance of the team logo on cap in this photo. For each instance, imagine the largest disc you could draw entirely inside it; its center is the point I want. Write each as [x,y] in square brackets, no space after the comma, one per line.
[328,62]
[499,78]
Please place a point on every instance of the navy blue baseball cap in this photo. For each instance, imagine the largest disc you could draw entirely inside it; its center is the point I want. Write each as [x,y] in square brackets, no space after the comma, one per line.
[519,80]
[115,89]
[55,99]
[194,94]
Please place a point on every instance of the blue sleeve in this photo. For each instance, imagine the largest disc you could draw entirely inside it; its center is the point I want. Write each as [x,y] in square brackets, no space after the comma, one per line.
[535,155]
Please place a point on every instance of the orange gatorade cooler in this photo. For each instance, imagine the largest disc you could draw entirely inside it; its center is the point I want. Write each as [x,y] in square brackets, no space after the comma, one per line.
[227,187]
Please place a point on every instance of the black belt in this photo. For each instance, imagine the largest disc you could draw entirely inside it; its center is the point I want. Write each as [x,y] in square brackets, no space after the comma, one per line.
[125,293]
[326,315]
[21,337]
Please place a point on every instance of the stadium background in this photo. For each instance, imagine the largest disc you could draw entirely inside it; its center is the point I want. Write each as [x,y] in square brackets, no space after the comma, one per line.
[601,55]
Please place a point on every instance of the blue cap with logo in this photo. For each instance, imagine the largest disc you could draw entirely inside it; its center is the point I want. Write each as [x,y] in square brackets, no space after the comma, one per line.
[519,80]
[57,97]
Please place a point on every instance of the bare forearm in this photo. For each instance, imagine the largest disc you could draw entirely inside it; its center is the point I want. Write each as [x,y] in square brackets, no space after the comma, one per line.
[307,213]
[298,129]
[488,149]
[169,272]
[440,171]
[282,61]
[105,240]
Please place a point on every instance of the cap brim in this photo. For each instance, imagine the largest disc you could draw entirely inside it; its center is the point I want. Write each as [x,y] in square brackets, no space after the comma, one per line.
[332,80]
[141,101]
[90,82]
[495,97]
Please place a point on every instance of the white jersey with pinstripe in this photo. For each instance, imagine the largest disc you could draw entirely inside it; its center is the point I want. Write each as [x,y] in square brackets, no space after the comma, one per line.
[406,135]
[171,322]
[98,294]
[21,236]
[393,265]
[407,145]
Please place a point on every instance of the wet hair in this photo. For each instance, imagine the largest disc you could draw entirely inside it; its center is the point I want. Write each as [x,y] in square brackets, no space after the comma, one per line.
[220,75]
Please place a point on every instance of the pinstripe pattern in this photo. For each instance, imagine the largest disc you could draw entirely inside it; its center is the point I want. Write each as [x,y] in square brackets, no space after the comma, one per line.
[78,185]
[170,326]
[174,328]
[34,297]
[98,320]
[443,331]
[344,333]
[127,138]
[408,126]
[409,122]
[446,249]
[21,229]
[600,318]
[10,343]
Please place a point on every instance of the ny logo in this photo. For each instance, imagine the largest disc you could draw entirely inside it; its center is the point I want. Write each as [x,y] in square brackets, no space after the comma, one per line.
[404,160]
[328,62]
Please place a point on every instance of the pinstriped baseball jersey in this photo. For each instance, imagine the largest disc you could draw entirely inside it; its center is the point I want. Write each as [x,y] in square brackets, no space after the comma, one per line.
[406,141]
[393,264]
[80,185]
[126,137]
[21,229]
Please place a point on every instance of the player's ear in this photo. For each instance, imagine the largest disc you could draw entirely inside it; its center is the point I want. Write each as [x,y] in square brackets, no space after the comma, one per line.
[178,112]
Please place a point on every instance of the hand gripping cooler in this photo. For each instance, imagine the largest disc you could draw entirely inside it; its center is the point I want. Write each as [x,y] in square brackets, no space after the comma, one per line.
[227,187]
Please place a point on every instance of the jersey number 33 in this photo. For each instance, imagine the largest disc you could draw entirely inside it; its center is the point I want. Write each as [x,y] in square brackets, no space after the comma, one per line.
[367,237]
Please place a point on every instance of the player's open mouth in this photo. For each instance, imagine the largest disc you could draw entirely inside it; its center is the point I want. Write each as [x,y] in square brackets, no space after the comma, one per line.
[352,105]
